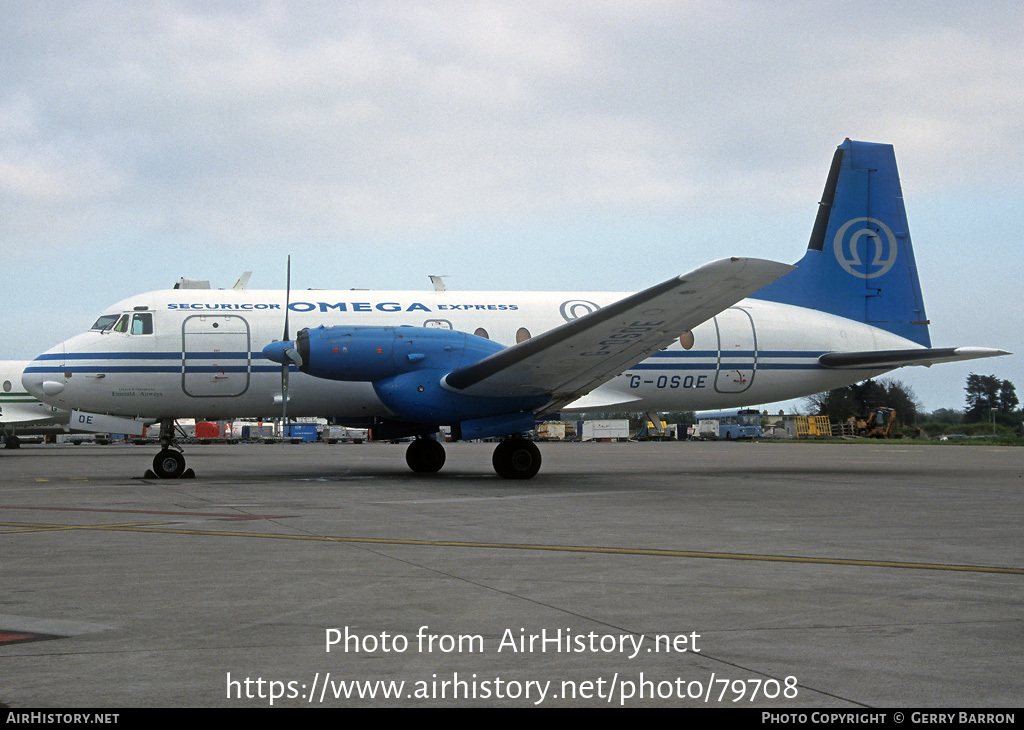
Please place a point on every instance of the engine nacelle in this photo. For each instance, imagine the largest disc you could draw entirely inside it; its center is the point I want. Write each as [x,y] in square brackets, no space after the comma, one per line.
[407,366]
[420,396]
[369,354]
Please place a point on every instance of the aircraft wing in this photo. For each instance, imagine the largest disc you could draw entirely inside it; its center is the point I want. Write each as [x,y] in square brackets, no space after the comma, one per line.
[874,359]
[572,360]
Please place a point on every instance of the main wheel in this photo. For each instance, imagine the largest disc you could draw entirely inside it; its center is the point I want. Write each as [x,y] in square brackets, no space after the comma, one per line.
[12,442]
[169,464]
[425,456]
[516,459]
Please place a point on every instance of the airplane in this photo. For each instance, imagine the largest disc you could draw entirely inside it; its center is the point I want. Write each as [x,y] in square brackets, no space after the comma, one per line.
[735,332]
[21,414]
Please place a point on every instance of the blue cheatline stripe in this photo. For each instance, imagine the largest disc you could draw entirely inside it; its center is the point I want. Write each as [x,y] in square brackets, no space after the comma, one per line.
[258,355]
[674,366]
[726,364]
[159,369]
[686,353]
[152,356]
[112,356]
[215,355]
[790,366]
[107,369]
[675,354]
[792,353]
[190,369]
[667,360]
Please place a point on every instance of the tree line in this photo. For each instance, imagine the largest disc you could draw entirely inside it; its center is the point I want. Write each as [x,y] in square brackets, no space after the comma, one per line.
[988,399]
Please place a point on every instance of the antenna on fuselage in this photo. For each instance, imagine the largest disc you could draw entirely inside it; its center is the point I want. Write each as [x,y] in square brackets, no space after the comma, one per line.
[438,282]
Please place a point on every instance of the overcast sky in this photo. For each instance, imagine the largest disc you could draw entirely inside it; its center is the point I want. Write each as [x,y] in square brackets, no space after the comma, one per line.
[509,145]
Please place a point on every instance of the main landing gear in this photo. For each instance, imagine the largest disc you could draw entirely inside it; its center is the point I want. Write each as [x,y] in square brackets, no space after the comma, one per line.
[169,463]
[514,458]
[425,456]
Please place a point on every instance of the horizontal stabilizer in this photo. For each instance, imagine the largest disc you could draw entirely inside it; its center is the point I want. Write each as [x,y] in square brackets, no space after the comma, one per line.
[874,359]
[569,361]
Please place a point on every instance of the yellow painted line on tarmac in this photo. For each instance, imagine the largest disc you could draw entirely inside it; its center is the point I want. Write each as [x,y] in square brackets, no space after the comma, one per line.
[155,528]
[13,527]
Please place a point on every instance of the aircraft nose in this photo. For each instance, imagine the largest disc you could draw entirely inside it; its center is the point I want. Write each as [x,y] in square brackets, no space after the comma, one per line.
[277,351]
[33,383]
[39,386]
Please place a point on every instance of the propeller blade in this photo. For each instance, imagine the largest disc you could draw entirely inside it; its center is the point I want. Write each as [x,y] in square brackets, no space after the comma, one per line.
[287,298]
[284,363]
[284,394]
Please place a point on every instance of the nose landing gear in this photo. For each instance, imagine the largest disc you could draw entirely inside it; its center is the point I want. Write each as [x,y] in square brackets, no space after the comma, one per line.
[169,463]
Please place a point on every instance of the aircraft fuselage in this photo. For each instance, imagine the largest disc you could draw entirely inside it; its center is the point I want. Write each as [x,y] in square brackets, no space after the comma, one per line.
[200,356]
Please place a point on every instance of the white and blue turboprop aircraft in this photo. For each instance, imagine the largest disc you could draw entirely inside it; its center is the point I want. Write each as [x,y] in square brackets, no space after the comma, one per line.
[487,364]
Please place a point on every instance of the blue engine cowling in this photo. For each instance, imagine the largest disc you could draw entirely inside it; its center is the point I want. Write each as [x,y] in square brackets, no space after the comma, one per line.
[406,366]
[368,354]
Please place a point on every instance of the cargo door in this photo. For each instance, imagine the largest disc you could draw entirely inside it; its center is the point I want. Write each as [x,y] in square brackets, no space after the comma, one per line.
[737,351]
[215,355]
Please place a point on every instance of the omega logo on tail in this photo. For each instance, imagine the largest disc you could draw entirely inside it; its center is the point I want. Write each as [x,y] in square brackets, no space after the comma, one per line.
[847,253]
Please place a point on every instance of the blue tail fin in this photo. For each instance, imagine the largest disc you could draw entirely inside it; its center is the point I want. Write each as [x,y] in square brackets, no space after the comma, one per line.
[859,263]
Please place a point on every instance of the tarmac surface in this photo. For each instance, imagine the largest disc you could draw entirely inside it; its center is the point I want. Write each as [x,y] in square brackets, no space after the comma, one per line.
[782,575]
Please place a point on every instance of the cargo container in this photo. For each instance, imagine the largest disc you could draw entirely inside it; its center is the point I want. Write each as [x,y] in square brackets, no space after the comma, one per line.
[617,430]
[300,431]
[334,434]
[550,431]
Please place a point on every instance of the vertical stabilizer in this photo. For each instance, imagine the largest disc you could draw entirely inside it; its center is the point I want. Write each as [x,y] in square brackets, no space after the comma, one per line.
[859,262]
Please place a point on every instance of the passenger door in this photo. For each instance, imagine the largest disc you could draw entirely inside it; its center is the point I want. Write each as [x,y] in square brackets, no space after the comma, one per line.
[737,351]
[215,356]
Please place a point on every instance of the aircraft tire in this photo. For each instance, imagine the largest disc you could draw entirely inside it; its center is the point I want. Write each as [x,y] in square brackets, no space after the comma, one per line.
[516,459]
[12,442]
[169,464]
[425,456]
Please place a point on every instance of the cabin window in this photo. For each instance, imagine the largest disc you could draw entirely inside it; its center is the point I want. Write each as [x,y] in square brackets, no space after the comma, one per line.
[142,324]
[481,332]
[522,335]
[7,386]
[105,322]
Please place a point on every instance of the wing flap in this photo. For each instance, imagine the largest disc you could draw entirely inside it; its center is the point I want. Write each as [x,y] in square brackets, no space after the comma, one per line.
[874,359]
[570,361]
[600,398]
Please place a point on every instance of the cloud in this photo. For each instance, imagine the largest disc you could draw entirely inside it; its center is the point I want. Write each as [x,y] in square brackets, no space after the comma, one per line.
[249,123]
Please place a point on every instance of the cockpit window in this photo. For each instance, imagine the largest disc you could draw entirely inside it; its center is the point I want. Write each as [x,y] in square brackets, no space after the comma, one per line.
[142,324]
[105,322]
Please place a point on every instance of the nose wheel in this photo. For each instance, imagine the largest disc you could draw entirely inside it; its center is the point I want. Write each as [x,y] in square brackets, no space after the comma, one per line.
[169,463]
